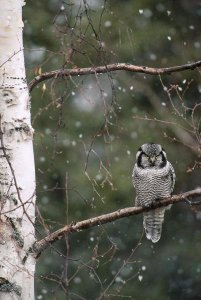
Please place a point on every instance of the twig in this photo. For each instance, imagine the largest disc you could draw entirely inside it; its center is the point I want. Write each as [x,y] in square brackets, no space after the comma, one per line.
[41,245]
[14,53]
[109,68]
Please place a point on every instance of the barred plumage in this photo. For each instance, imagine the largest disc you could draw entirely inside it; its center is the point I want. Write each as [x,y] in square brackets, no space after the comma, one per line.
[153,178]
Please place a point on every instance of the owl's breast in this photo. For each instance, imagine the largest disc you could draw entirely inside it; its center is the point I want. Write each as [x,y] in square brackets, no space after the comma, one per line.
[152,183]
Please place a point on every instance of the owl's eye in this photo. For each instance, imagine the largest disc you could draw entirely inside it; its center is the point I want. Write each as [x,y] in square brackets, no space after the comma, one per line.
[142,153]
[160,154]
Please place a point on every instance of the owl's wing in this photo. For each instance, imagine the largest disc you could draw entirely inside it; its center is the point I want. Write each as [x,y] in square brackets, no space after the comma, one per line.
[133,176]
[133,180]
[173,177]
[137,203]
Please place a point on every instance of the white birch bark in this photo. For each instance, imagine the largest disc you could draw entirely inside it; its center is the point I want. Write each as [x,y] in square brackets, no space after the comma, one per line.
[17,175]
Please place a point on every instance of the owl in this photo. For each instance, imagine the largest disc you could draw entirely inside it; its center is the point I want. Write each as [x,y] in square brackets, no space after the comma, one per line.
[153,178]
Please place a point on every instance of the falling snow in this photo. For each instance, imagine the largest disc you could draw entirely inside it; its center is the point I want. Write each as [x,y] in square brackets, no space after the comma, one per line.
[44,291]
[42,159]
[153,56]
[48,131]
[77,280]
[140,277]
[134,135]
[62,7]
[99,177]
[197,45]
[118,279]
[108,24]
[78,124]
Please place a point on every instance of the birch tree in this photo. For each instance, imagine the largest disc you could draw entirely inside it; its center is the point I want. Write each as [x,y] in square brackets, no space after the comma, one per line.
[17,175]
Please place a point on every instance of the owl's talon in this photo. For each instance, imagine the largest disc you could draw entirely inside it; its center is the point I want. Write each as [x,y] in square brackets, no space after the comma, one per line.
[188,202]
[147,205]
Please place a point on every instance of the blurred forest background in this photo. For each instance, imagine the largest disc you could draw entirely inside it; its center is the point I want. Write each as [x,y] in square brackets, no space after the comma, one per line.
[87,132]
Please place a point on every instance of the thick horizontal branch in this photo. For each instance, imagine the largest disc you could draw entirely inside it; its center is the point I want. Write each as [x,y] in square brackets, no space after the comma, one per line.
[109,68]
[110,217]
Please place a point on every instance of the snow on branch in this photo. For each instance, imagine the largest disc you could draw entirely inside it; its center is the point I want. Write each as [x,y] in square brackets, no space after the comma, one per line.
[109,68]
[44,243]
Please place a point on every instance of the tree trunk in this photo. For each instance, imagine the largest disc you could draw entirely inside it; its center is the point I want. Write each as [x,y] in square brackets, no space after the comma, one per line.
[17,175]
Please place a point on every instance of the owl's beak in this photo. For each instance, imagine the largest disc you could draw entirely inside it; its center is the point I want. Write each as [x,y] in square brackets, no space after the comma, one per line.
[152,159]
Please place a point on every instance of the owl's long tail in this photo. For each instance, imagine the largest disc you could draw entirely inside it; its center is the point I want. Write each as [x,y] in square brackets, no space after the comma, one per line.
[152,222]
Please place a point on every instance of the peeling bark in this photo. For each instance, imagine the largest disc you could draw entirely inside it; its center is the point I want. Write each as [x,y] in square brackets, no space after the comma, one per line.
[17,175]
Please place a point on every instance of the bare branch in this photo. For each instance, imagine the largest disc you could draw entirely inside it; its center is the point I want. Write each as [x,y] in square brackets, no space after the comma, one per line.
[109,68]
[110,217]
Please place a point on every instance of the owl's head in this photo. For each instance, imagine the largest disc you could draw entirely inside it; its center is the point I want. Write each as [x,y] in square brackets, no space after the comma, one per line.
[151,155]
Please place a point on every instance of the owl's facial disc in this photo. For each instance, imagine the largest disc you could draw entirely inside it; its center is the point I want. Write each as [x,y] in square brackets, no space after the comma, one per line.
[151,155]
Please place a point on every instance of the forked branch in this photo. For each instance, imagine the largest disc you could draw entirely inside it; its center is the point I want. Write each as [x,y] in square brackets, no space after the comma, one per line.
[110,217]
[109,68]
